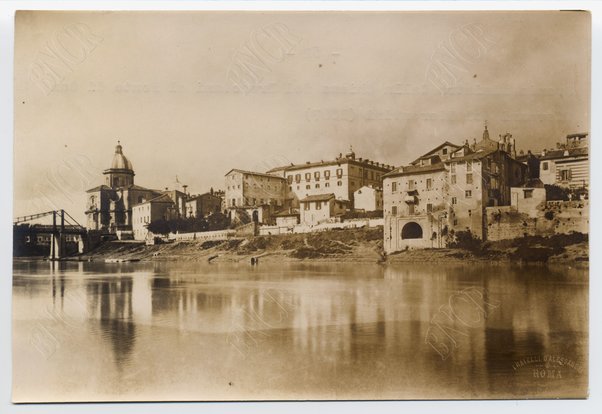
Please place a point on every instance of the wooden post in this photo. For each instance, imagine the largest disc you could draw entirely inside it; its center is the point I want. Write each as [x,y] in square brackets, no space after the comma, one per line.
[62,235]
[52,239]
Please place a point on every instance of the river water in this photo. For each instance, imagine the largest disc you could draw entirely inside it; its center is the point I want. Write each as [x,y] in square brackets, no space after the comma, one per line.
[188,331]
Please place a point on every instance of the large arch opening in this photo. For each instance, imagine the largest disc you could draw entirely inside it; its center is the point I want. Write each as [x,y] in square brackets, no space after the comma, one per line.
[411,230]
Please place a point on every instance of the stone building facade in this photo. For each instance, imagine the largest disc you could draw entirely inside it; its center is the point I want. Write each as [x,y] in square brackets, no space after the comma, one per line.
[320,208]
[428,201]
[342,177]
[252,196]
[568,165]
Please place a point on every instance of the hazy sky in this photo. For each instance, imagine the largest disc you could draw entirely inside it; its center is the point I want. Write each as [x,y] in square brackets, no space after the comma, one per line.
[165,85]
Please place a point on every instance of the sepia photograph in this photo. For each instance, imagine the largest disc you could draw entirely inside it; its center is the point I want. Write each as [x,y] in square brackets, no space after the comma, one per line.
[300,205]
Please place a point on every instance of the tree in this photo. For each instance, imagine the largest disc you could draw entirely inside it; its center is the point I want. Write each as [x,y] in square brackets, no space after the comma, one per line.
[159,227]
[217,221]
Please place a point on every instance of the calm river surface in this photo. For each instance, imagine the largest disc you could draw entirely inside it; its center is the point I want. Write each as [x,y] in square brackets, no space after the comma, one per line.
[189,331]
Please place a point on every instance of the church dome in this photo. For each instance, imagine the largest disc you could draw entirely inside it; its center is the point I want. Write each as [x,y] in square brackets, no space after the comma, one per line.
[120,162]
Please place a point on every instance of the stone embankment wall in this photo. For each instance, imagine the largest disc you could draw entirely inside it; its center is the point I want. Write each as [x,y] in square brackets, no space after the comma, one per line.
[547,218]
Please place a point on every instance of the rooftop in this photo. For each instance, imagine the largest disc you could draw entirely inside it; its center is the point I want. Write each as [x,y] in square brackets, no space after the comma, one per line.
[341,160]
[561,153]
[415,169]
[318,197]
[254,173]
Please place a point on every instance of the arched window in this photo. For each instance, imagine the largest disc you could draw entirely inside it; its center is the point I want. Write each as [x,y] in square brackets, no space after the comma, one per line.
[411,230]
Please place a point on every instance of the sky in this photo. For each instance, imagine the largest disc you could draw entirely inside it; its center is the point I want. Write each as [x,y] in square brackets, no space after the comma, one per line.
[194,94]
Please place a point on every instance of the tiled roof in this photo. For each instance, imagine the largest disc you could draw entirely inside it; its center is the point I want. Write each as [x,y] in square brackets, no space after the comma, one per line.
[437,148]
[338,161]
[318,197]
[98,188]
[473,156]
[415,169]
[163,198]
[572,152]
[287,213]
[255,173]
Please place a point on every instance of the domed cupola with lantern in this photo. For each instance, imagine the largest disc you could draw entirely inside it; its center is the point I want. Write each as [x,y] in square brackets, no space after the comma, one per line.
[121,173]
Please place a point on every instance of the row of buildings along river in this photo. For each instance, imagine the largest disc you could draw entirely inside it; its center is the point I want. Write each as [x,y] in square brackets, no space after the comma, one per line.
[483,187]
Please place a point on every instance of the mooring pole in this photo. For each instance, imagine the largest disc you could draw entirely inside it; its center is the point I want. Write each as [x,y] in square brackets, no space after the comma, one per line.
[53,238]
[62,235]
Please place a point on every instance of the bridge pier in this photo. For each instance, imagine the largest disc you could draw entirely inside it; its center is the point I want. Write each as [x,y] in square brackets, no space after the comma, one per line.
[81,245]
[57,246]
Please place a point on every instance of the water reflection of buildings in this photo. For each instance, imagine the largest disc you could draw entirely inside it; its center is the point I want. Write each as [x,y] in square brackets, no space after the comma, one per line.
[331,319]
[110,301]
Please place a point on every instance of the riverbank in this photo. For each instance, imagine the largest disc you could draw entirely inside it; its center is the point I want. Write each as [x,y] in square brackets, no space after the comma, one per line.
[350,245]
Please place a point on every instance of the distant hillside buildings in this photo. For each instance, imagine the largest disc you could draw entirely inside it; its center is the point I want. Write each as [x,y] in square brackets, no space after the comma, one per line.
[442,192]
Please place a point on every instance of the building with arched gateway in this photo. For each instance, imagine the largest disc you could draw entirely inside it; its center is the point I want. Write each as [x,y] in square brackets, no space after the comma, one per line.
[447,191]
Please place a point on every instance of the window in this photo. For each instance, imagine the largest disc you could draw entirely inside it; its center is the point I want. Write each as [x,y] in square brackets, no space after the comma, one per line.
[468,166]
[298,187]
[317,175]
[297,178]
[410,208]
[394,210]
[453,179]
[393,186]
[494,183]
[339,172]
[326,184]
[469,213]
[453,167]
[468,178]
[410,184]
[528,193]
[565,175]
[289,179]
[468,194]
[544,166]
[429,208]
[306,206]
[317,185]
[307,187]
[307,176]
[429,183]
[327,174]
[339,183]
[365,174]
[454,200]
[444,151]
[318,205]
[455,222]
